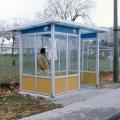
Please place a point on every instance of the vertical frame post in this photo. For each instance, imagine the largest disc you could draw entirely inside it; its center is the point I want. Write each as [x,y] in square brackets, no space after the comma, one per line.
[67,63]
[82,62]
[20,59]
[79,46]
[97,61]
[35,37]
[83,56]
[53,60]
[59,59]
[87,55]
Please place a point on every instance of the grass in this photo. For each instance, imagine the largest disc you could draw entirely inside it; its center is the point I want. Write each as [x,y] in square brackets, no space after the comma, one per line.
[104,63]
[14,106]
[9,72]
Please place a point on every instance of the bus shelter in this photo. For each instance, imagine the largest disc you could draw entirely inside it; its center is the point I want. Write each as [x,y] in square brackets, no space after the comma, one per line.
[72,60]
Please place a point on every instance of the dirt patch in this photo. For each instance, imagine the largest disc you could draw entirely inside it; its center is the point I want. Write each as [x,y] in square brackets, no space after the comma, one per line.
[106,76]
[14,106]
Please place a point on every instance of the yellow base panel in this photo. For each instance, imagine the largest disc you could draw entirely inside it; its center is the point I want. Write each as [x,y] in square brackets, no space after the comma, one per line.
[28,84]
[88,78]
[43,85]
[72,83]
[60,85]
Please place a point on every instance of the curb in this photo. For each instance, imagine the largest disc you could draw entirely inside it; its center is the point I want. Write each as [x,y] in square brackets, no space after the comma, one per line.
[116,117]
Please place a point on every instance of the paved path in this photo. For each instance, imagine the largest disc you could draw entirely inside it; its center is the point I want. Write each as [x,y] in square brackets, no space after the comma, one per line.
[82,95]
[97,107]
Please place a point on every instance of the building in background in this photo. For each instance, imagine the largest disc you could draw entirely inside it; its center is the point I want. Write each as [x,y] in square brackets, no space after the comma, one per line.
[6,47]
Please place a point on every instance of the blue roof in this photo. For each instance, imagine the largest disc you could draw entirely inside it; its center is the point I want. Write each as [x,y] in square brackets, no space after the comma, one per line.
[84,28]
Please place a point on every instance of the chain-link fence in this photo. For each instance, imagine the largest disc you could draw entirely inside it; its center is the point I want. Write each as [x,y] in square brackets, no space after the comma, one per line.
[106,64]
[9,64]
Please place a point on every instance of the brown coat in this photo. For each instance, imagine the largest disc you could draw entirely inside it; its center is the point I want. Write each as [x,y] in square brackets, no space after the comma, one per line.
[42,62]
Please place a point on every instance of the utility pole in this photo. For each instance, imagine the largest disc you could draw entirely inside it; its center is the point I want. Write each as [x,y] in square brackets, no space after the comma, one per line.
[116,43]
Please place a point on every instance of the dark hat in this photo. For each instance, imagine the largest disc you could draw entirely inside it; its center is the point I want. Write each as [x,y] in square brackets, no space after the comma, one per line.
[42,50]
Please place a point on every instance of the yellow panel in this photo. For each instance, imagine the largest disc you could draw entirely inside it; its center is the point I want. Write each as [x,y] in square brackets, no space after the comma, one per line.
[72,83]
[60,85]
[88,78]
[43,85]
[28,83]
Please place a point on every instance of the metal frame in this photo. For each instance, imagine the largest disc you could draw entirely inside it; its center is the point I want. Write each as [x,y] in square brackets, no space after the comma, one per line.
[82,62]
[79,54]
[59,56]
[67,67]
[52,61]
[65,76]
[38,33]
[97,62]
[35,62]
[31,92]
[87,55]
[21,61]
[59,33]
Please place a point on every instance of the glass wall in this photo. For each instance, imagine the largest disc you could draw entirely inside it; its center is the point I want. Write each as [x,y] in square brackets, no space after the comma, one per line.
[88,55]
[65,52]
[66,60]
[88,61]
[106,58]
[44,41]
[106,63]
[60,54]
[28,53]
[73,54]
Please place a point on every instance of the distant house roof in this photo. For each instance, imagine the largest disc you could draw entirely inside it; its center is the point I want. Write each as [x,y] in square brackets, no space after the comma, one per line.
[5,41]
[84,28]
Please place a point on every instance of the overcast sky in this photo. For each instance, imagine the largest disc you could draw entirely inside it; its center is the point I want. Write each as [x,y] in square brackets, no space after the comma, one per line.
[102,14]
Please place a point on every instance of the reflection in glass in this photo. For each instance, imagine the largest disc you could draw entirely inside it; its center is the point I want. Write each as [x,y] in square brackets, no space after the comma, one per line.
[28,51]
[73,54]
[44,41]
[60,61]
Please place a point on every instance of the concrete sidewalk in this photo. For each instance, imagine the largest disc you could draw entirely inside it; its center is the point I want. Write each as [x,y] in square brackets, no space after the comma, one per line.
[82,95]
[100,105]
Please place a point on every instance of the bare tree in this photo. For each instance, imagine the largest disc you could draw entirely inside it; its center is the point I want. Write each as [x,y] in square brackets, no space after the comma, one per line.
[14,34]
[67,9]
[3,26]
[6,34]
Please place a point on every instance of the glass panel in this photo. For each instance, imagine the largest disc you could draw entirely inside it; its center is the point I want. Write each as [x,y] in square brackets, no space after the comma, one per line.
[91,55]
[106,62]
[88,61]
[88,55]
[60,59]
[72,55]
[28,52]
[44,41]
[106,59]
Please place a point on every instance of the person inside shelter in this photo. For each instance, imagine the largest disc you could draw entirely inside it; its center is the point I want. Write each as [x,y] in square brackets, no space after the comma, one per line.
[43,63]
